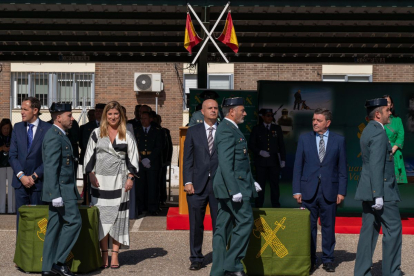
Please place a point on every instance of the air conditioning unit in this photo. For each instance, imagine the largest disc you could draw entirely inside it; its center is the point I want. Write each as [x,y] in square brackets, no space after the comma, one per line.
[147,82]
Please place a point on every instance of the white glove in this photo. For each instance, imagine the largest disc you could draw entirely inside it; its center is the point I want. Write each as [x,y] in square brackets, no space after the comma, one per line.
[237,197]
[282,164]
[146,163]
[264,153]
[379,202]
[257,186]
[57,202]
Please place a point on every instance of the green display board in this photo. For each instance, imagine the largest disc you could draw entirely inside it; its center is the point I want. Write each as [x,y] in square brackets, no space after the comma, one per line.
[279,243]
[85,255]
[250,104]
[346,101]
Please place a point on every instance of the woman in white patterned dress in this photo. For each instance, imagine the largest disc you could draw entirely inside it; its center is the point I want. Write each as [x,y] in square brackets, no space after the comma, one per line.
[111,161]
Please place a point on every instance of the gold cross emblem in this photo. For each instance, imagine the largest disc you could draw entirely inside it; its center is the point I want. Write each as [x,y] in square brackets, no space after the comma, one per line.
[263,229]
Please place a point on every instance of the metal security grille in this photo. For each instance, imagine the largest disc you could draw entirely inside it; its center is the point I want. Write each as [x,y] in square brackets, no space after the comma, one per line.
[78,88]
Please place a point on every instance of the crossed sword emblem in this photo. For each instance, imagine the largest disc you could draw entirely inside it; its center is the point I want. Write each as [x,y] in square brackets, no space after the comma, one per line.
[263,229]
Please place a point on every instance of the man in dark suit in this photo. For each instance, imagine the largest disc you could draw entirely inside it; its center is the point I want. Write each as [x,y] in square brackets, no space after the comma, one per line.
[85,132]
[136,122]
[200,165]
[378,191]
[25,155]
[320,181]
[149,140]
[64,223]
[233,186]
[266,142]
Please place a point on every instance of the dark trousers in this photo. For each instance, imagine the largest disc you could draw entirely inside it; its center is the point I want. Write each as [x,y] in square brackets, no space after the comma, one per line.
[163,184]
[25,196]
[372,220]
[148,189]
[272,175]
[326,210]
[133,206]
[235,220]
[297,103]
[197,204]
[63,228]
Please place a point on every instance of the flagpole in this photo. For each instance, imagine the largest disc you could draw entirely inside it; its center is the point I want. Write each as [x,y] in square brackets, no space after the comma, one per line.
[209,34]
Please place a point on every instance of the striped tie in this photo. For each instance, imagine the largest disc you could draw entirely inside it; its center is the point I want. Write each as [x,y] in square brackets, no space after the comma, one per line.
[210,139]
[321,148]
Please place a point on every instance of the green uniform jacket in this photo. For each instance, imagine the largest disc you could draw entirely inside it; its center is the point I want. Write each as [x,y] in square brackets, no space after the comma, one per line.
[395,132]
[196,118]
[233,174]
[59,177]
[377,175]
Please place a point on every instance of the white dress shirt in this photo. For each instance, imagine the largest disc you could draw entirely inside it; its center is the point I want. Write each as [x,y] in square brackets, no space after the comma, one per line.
[148,128]
[35,125]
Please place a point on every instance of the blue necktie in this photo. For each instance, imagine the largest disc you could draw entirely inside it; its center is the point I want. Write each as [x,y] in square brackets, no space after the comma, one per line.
[30,136]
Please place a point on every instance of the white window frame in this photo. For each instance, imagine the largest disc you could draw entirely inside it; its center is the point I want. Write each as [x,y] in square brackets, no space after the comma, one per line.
[346,77]
[230,75]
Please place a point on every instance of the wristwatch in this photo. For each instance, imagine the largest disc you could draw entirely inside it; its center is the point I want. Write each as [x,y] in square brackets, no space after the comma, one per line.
[131,177]
[34,177]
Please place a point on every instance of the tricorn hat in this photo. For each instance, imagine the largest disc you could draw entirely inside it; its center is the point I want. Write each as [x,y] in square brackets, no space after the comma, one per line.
[60,107]
[263,111]
[232,102]
[376,102]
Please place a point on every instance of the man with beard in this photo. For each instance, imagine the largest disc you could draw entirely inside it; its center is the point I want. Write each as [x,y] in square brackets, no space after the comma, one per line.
[233,186]
[60,191]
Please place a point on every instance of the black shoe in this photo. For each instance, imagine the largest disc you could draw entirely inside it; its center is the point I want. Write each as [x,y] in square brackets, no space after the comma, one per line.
[329,267]
[48,273]
[61,270]
[235,273]
[196,265]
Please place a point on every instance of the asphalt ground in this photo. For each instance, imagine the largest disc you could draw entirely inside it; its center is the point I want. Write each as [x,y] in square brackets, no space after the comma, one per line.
[155,251]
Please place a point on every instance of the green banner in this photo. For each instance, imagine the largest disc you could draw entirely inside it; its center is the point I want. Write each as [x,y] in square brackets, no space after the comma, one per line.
[250,104]
[85,255]
[346,101]
[279,243]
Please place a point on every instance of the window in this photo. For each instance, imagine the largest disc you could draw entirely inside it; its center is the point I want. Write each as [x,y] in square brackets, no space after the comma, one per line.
[190,81]
[222,81]
[77,88]
[348,78]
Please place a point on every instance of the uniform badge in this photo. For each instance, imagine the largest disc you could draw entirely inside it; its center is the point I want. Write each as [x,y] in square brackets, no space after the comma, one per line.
[274,133]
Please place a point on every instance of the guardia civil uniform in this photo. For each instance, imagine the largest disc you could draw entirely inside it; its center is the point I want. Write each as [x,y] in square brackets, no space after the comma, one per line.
[150,144]
[64,222]
[268,138]
[378,180]
[233,176]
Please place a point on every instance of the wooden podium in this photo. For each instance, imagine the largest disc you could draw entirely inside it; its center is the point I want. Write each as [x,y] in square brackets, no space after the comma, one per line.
[183,206]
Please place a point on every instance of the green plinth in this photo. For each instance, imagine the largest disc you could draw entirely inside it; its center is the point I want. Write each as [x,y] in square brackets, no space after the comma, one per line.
[279,243]
[85,255]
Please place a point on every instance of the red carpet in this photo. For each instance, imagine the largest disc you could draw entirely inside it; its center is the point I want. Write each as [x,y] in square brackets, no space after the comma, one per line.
[344,225]
[352,225]
[175,221]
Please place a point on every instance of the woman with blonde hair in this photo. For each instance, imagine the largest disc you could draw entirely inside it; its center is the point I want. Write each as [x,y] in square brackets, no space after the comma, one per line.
[111,161]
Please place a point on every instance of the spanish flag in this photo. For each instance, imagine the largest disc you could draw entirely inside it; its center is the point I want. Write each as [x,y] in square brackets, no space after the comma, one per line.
[228,36]
[191,38]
